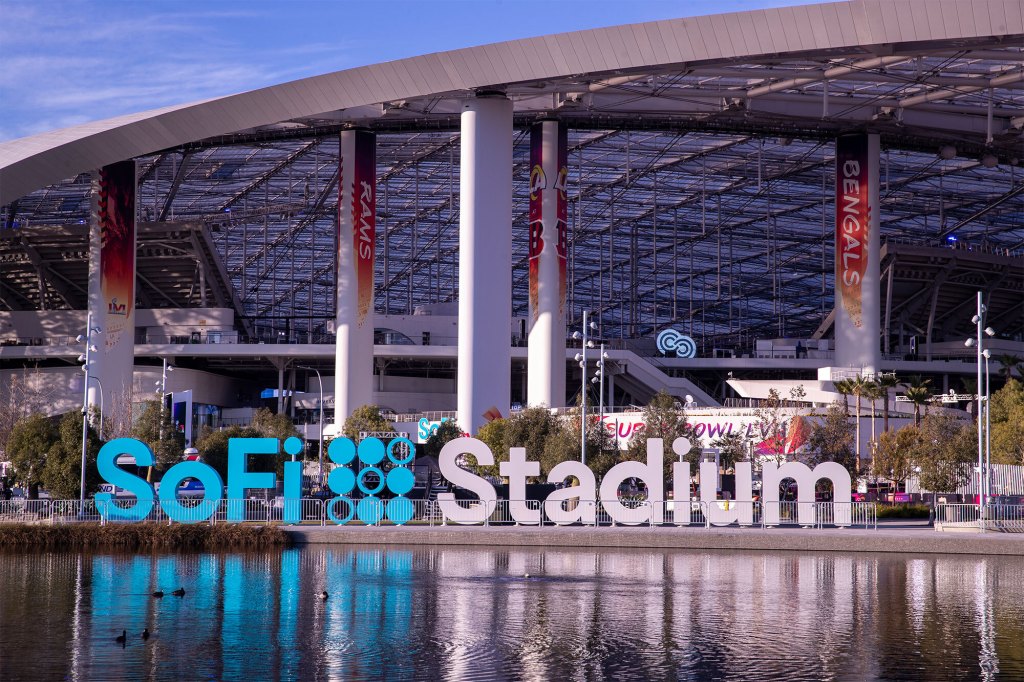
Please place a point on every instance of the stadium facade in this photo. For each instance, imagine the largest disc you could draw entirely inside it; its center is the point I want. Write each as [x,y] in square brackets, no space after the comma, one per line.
[793,196]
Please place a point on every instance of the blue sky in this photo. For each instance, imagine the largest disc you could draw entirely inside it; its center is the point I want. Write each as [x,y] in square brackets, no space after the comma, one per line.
[64,62]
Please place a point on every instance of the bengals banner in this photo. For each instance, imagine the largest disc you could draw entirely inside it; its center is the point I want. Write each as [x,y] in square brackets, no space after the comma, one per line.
[857,287]
[853,223]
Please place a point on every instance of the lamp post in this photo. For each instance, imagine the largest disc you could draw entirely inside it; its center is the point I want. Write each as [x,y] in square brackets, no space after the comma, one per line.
[85,358]
[599,379]
[988,431]
[582,359]
[983,354]
[162,385]
[321,383]
[97,380]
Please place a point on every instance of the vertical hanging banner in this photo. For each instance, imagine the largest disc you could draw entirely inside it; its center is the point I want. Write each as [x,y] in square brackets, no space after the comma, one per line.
[853,223]
[357,242]
[112,283]
[547,259]
[548,207]
[857,287]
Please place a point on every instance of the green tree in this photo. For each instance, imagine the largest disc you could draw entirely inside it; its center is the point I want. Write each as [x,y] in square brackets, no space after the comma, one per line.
[664,418]
[860,387]
[446,431]
[493,435]
[27,446]
[733,447]
[886,382]
[563,444]
[63,472]
[894,456]
[1007,417]
[213,448]
[1008,362]
[946,451]
[918,393]
[366,419]
[158,432]
[831,439]
[843,388]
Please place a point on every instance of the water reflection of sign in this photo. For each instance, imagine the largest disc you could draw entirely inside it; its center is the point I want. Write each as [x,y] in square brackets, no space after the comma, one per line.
[669,340]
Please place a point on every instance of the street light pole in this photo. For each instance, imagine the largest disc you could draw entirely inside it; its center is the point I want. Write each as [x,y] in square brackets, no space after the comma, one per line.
[983,424]
[163,398]
[321,451]
[582,359]
[988,432]
[89,349]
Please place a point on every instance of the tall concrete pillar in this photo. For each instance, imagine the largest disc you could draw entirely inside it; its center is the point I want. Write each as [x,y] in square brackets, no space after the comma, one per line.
[357,203]
[857,287]
[485,261]
[548,241]
[112,289]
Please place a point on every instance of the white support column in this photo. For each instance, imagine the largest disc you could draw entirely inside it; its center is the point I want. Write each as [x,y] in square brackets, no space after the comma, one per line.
[485,261]
[547,251]
[112,288]
[858,289]
[357,194]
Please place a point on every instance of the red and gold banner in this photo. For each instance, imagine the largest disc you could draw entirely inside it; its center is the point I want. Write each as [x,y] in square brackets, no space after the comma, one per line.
[853,223]
[361,215]
[538,182]
[547,192]
[562,212]
[117,252]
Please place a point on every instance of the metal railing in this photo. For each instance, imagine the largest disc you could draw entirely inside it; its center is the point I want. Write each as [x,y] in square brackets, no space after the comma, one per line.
[1004,518]
[572,511]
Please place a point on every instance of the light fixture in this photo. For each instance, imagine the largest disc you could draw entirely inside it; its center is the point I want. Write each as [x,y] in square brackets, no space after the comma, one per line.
[969,343]
[990,331]
[947,152]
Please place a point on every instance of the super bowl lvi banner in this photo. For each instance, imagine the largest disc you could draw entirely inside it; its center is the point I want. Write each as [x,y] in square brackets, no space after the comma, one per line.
[112,282]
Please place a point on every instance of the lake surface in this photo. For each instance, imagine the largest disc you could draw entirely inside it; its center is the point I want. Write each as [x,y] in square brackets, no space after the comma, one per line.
[461,614]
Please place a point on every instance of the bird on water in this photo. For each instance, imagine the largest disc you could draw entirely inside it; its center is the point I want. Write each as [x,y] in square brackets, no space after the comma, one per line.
[324,595]
[180,592]
[145,633]
[158,594]
[122,638]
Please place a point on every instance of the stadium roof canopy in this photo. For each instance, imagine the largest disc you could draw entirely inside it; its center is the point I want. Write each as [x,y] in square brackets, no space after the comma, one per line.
[700,167]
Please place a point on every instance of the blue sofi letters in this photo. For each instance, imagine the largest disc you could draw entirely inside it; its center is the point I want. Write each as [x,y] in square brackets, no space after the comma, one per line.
[240,478]
[106,462]
[212,485]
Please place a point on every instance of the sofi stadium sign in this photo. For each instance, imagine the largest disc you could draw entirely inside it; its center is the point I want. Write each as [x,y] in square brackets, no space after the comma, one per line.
[570,504]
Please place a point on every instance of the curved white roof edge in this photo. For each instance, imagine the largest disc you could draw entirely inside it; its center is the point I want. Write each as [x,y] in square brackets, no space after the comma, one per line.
[33,162]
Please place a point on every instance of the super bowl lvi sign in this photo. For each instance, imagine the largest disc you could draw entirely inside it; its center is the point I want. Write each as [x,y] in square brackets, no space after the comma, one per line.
[671,341]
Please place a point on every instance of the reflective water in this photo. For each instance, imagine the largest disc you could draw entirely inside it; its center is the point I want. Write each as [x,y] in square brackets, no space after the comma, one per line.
[472,613]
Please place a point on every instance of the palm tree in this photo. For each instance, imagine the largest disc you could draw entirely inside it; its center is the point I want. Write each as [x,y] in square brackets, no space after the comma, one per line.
[860,387]
[873,391]
[885,382]
[1008,362]
[919,393]
[843,388]
[970,385]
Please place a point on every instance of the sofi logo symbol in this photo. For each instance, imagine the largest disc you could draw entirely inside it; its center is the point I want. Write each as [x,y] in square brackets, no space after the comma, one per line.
[371,480]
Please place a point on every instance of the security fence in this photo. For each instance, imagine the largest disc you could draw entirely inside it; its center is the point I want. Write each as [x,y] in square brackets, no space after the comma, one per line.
[1003,518]
[565,512]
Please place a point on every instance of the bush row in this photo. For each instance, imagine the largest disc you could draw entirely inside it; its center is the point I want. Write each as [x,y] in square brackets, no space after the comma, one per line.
[141,536]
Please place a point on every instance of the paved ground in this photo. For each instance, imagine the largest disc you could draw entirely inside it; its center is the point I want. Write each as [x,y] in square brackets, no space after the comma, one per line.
[900,536]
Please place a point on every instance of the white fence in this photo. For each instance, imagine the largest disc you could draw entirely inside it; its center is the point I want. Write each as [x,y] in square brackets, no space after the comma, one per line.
[633,512]
[1005,479]
[1004,518]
